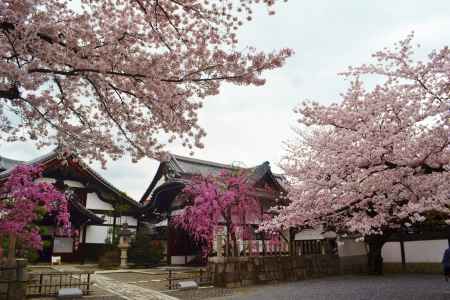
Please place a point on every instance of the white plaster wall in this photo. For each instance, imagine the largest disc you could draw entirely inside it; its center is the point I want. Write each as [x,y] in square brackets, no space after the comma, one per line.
[425,251]
[391,252]
[108,220]
[127,219]
[351,248]
[309,234]
[96,234]
[94,202]
[73,183]
[180,260]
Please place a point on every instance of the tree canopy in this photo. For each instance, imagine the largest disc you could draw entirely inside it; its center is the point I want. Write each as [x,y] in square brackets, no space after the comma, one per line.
[23,201]
[104,78]
[380,158]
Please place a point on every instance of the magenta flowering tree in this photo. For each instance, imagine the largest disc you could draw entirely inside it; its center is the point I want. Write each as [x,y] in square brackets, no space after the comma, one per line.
[23,201]
[378,161]
[110,77]
[227,200]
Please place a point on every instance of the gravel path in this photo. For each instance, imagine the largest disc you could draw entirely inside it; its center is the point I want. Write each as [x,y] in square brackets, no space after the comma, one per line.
[392,287]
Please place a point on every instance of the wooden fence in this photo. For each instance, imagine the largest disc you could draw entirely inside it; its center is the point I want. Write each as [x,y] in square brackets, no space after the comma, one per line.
[49,283]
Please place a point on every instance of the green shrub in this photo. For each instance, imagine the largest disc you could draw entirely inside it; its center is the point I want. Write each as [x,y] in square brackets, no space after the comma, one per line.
[110,258]
[144,250]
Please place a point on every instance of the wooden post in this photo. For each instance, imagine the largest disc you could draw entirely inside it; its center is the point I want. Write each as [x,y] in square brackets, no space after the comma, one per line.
[40,284]
[170,279]
[402,251]
[88,283]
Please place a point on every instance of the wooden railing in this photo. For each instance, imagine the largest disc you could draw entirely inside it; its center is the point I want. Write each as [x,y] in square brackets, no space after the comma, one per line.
[198,275]
[49,283]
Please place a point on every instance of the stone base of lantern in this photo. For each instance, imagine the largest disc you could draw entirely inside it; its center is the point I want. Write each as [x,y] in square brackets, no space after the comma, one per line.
[124,258]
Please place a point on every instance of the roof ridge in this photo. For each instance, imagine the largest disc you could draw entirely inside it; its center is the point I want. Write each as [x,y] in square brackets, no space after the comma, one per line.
[205,162]
[10,159]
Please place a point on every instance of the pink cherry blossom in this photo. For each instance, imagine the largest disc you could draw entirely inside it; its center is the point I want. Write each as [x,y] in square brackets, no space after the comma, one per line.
[106,78]
[227,200]
[379,159]
[23,201]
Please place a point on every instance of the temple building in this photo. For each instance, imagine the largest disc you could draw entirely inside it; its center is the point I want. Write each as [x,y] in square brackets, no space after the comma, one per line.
[97,208]
[161,202]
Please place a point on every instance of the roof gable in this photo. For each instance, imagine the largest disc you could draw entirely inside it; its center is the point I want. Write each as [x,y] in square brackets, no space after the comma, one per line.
[71,161]
[181,167]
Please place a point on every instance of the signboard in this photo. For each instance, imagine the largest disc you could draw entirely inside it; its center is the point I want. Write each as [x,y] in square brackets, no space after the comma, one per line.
[63,245]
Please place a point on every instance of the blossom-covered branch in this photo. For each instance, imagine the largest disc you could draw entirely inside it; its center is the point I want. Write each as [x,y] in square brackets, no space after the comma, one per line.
[23,200]
[122,76]
[380,159]
[227,200]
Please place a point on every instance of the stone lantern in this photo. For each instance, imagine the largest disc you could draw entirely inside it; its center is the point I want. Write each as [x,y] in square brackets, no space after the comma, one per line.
[124,244]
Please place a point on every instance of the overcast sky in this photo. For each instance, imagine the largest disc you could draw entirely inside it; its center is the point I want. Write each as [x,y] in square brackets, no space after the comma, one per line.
[249,124]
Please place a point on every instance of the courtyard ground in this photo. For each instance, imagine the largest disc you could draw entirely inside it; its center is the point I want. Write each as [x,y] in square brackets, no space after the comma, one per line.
[388,287]
[149,284]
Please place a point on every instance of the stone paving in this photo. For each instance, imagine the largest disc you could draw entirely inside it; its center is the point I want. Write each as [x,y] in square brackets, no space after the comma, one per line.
[128,291]
[392,287]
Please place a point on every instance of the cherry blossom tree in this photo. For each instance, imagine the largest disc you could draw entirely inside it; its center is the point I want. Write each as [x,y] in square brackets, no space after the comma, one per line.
[23,202]
[377,161]
[227,200]
[106,78]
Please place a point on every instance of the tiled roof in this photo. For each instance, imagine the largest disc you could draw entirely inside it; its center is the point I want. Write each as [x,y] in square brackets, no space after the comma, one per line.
[177,166]
[55,154]
[188,165]
[6,163]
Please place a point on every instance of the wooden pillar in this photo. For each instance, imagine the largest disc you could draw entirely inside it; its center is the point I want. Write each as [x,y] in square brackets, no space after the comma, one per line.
[402,251]
[169,241]
[83,241]
[114,228]
[264,250]
[291,242]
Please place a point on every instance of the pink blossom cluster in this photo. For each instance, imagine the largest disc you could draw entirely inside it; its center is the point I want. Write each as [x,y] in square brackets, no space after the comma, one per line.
[24,201]
[380,158]
[227,200]
[112,77]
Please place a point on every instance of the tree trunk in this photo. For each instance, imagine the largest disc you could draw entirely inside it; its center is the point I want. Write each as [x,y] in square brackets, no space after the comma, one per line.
[375,259]
[12,248]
